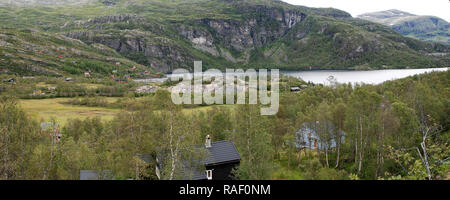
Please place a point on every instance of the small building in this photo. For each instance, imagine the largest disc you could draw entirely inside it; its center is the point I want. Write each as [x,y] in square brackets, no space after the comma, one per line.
[319,135]
[221,158]
[69,79]
[295,89]
[96,175]
[10,80]
[122,80]
[37,92]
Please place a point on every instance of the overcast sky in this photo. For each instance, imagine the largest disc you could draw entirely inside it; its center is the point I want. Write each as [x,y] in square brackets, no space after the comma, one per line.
[439,8]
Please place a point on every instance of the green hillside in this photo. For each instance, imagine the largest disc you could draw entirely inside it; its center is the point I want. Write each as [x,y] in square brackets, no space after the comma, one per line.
[164,35]
[31,52]
[425,28]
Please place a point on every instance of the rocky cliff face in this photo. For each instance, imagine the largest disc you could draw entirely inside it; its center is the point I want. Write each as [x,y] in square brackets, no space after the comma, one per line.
[254,31]
[216,37]
[162,55]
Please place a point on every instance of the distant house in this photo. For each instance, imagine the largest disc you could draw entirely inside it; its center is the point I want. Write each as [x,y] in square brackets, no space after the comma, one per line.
[68,79]
[318,135]
[221,158]
[37,92]
[122,80]
[96,175]
[295,89]
[298,88]
[10,80]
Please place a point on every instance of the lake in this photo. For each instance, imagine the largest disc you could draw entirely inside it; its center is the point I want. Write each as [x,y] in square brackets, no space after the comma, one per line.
[344,76]
[367,77]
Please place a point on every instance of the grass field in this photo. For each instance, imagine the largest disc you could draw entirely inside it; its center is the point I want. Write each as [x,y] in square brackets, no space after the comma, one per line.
[45,109]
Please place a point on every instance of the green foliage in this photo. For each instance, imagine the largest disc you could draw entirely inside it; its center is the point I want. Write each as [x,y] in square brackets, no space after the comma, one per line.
[385,128]
[253,141]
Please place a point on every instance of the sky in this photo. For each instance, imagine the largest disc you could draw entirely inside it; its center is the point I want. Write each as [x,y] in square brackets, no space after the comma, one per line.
[439,8]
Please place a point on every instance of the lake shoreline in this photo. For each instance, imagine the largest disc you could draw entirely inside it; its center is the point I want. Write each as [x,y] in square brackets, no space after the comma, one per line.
[352,76]
[331,69]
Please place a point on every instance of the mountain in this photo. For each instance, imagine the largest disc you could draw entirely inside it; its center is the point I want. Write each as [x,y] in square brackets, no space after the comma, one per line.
[31,52]
[426,28]
[164,35]
[23,3]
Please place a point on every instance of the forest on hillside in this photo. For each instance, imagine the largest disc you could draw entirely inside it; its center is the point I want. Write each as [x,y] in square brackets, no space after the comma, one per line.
[396,130]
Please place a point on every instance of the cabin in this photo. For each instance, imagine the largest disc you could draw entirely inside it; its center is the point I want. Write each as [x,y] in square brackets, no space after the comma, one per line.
[122,80]
[10,80]
[319,135]
[96,175]
[37,92]
[295,89]
[221,158]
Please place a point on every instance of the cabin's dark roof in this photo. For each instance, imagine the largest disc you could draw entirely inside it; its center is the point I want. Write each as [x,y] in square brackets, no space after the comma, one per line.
[222,152]
[95,175]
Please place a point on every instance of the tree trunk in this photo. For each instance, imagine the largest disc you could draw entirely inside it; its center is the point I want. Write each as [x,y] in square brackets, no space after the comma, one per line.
[172,153]
[425,155]
[338,149]
[361,146]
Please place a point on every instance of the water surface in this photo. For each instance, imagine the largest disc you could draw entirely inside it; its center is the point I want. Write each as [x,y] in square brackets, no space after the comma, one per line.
[367,77]
[343,76]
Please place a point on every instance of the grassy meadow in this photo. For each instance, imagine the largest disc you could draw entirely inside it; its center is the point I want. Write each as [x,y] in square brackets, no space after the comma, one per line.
[61,111]
[46,109]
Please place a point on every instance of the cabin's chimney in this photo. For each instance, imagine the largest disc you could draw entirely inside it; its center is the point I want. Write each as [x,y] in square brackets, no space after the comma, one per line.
[208,142]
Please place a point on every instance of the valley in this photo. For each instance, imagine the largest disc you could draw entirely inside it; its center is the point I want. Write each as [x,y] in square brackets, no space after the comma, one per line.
[85,94]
